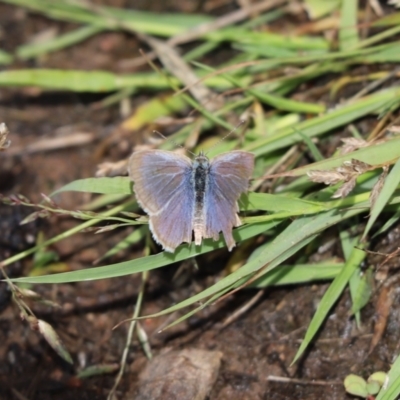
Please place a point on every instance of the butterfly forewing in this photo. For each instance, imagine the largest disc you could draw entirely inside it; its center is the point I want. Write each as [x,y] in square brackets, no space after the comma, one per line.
[162,188]
[228,177]
[173,225]
[157,175]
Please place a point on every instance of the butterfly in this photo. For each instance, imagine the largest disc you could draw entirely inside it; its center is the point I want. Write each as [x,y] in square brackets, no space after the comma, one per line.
[182,196]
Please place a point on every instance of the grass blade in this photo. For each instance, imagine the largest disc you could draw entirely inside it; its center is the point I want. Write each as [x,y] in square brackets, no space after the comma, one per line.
[330,297]
[391,183]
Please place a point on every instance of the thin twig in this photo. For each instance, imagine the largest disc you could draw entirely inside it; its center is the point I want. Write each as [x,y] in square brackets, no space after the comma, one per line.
[50,144]
[175,64]
[313,382]
[129,336]
[240,311]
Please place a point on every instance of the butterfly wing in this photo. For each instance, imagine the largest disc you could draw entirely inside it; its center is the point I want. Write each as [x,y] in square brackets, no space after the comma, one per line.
[163,188]
[229,177]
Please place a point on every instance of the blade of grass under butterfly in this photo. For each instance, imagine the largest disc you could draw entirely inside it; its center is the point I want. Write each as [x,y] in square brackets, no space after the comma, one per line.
[250,201]
[148,263]
[294,237]
[233,281]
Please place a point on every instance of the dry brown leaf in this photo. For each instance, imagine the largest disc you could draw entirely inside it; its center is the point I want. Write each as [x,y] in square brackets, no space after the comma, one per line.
[378,187]
[53,340]
[329,177]
[345,189]
[4,142]
[394,129]
[382,310]
[352,144]
[353,167]
[348,172]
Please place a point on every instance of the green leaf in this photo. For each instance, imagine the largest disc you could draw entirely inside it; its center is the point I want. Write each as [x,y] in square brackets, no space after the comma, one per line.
[356,385]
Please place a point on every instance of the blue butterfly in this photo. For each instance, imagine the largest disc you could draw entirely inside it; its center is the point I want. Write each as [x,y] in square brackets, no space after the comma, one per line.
[181,196]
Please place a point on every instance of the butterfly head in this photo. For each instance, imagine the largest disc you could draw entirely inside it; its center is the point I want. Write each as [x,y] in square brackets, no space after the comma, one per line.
[201,161]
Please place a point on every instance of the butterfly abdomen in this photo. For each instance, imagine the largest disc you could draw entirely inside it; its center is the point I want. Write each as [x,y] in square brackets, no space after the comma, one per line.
[201,166]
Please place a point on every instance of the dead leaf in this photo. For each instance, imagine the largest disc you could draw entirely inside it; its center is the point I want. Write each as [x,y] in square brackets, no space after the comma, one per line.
[382,310]
[378,187]
[345,189]
[351,144]
[53,340]
[328,177]
[348,172]
[4,142]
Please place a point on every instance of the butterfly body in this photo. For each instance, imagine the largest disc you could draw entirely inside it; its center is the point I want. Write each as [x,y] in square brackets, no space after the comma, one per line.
[183,196]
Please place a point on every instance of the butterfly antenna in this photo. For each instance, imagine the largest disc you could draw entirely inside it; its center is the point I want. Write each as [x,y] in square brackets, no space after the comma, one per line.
[175,144]
[240,123]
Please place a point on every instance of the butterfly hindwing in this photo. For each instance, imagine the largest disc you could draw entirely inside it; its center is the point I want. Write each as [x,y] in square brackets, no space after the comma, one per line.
[163,188]
[229,176]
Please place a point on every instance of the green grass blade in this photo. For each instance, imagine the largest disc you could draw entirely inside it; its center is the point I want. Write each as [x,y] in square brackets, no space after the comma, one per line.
[271,99]
[317,8]
[391,183]
[348,34]
[362,291]
[348,242]
[92,81]
[382,153]
[166,24]
[136,236]
[330,297]
[390,222]
[392,390]
[5,58]
[279,203]
[105,185]
[298,274]
[293,238]
[60,42]
[183,252]
[324,123]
